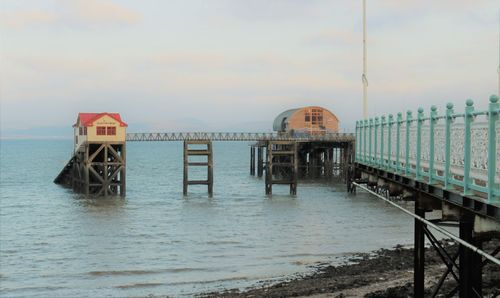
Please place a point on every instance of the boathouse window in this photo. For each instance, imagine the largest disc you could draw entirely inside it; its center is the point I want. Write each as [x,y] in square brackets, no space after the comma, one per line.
[85,131]
[101,130]
[81,130]
[308,117]
[111,130]
[317,117]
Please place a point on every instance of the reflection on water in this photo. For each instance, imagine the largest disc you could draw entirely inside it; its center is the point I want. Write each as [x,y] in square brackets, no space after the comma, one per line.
[155,241]
[96,204]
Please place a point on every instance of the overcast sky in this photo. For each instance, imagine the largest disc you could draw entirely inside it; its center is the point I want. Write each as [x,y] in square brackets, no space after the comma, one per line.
[230,65]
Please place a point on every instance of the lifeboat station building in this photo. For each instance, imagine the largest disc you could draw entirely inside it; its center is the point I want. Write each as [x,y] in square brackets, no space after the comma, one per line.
[97,166]
[99,127]
[306,120]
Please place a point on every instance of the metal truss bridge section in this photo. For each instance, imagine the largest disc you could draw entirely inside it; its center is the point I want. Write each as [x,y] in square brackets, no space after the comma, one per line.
[237,136]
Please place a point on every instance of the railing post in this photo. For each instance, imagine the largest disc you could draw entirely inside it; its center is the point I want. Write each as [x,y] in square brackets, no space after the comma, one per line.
[375,157]
[389,141]
[492,143]
[420,116]
[398,141]
[370,143]
[431,143]
[365,143]
[447,148]
[357,140]
[362,139]
[407,151]
[382,124]
[468,118]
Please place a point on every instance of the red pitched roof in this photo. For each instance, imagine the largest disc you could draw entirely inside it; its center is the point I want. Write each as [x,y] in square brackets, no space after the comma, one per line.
[87,119]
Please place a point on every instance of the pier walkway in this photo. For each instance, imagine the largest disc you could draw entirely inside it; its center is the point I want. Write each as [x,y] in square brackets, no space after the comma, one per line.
[236,136]
[449,163]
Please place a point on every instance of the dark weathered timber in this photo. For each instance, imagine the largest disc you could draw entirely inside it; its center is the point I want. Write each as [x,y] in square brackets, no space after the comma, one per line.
[252,160]
[260,161]
[313,159]
[282,165]
[209,164]
[96,169]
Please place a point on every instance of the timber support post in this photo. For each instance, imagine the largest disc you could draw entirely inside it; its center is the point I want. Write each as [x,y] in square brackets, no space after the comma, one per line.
[282,166]
[252,160]
[260,161]
[204,152]
[97,169]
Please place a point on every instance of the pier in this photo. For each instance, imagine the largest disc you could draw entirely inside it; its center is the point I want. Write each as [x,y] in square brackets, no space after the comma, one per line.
[447,162]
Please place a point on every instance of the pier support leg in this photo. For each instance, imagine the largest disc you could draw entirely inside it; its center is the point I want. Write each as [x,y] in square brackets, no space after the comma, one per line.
[260,162]
[477,269]
[204,152]
[123,172]
[185,177]
[419,252]
[466,258]
[210,170]
[252,161]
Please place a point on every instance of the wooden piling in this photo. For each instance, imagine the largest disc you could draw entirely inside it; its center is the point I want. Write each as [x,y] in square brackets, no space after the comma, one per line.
[209,164]
[260,161]
[282,166]
[252,160]
[96,168]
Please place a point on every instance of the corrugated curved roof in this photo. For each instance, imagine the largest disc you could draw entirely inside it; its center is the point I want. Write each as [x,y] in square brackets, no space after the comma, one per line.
[279,119]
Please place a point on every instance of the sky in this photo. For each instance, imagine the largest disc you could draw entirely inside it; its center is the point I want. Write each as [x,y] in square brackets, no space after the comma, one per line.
[234,65]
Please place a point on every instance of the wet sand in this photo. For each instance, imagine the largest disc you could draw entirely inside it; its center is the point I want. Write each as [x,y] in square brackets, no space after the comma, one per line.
[384,273]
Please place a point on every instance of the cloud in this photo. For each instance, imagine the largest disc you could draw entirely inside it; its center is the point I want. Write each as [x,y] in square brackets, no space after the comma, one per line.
[100,12]
[264,10]
[21,19]
[87,13]
[334,37]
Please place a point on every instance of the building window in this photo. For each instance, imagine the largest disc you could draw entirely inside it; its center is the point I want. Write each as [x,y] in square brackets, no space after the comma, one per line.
[101,130]
[308,117]
[111,131]
[81,130]
[317,117]
[85,131]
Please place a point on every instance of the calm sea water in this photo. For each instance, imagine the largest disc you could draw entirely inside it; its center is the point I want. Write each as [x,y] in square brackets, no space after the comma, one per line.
[54,243]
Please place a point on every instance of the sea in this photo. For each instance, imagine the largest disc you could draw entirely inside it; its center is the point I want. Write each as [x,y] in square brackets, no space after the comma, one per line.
[156,242]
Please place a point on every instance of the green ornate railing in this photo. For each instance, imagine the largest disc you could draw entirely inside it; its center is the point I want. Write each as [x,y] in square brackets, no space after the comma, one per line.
[457,150]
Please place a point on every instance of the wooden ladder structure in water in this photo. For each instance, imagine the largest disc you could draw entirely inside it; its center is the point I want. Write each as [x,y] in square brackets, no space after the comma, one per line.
[282,165]
[208,163]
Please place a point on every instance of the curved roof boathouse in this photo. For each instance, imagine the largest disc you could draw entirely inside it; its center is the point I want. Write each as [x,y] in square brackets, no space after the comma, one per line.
[309,120]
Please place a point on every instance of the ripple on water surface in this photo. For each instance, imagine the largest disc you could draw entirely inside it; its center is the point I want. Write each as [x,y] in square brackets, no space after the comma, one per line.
[58,244]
